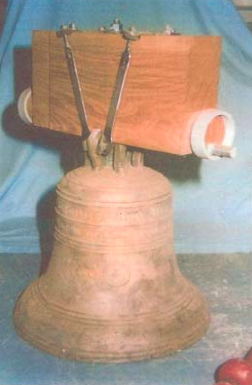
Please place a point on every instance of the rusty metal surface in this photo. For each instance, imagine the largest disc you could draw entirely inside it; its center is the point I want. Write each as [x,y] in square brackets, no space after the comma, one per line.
[113,291]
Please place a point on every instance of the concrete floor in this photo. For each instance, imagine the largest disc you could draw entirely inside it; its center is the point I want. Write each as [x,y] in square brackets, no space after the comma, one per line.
[224,279]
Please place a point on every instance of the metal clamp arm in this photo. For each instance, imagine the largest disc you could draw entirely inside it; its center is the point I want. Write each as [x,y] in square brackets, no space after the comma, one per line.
[104,145]
[73,72]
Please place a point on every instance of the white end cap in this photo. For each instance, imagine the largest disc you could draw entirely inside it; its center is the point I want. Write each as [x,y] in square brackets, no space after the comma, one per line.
[23,106]
[200,125]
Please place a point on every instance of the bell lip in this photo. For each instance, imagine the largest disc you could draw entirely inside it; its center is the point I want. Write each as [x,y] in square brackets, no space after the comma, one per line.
[149,352]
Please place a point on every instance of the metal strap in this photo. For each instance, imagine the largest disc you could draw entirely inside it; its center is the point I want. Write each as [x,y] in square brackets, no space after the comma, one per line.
[117,92]
[76,86]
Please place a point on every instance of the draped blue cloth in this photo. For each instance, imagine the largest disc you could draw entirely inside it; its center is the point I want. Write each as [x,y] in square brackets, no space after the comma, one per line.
[213,208]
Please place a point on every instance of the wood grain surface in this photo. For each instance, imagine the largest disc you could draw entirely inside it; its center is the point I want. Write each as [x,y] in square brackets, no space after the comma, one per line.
[40,79]
[169,78]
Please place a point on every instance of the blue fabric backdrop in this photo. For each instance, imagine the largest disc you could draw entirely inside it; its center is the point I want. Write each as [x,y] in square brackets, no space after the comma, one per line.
[212,200]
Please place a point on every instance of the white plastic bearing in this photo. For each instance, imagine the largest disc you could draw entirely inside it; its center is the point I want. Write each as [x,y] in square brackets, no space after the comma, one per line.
[23,106]
[200,125]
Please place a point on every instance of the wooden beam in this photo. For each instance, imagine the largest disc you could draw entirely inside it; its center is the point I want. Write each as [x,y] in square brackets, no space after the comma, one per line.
[169,78]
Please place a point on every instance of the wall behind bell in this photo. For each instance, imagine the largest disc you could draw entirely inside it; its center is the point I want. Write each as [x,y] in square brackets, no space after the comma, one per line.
[212,200]
[3,4]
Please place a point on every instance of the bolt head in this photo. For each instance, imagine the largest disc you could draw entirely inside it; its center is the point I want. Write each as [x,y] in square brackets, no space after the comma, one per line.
[72,26]
[169,30]
[116,25]
[132,30]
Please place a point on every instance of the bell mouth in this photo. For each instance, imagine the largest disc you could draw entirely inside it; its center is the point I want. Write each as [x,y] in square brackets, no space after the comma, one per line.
[79,337]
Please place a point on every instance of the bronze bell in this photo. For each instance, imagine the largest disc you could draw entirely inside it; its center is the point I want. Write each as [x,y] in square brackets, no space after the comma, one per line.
[113,291]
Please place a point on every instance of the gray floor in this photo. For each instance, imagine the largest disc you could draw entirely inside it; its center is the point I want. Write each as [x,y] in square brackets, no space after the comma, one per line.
[224,279]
